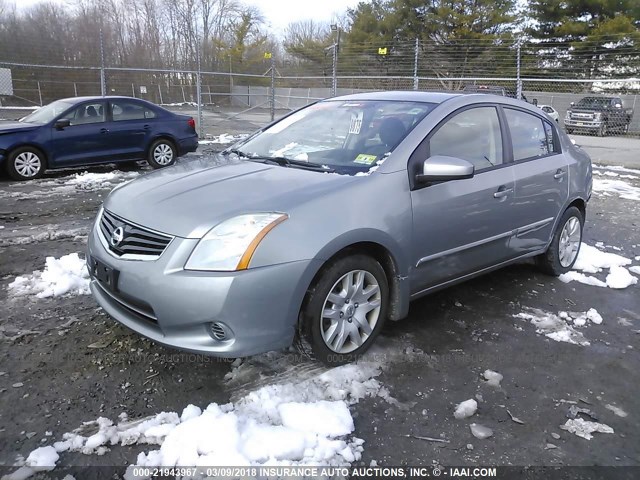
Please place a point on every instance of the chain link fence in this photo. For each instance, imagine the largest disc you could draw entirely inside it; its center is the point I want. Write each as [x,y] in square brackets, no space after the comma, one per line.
[590,88]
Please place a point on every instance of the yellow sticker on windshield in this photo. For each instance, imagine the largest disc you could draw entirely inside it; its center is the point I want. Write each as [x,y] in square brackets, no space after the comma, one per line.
[365,159]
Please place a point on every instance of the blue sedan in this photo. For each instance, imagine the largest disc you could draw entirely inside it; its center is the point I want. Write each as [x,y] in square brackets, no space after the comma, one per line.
[90,130]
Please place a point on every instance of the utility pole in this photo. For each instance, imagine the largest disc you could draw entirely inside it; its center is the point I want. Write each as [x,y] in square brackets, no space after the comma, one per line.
[334,73]
[415,64]
[103,81]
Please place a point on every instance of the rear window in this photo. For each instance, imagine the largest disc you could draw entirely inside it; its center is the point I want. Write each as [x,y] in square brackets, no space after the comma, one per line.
[531,136]
[123,110]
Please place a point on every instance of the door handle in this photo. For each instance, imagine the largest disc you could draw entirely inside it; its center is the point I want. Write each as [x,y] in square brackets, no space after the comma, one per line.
[502,192]
[559,174]
[147,127]
[104,130]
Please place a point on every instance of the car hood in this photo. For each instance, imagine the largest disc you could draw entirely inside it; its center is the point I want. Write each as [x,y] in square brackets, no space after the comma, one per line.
[12,126]
[188,199]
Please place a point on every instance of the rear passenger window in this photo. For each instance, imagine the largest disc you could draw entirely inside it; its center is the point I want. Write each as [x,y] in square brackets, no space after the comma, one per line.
[531,136]
[473,135]
[124,110]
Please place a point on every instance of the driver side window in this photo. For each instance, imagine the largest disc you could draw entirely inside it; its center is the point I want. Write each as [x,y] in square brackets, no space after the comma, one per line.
[473,135]
[87,113]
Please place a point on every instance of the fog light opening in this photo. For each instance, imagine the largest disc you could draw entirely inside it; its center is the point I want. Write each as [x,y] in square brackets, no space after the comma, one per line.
[218,331]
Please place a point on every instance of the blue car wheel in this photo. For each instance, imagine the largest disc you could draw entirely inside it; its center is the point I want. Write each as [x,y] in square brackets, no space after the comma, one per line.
[26,163]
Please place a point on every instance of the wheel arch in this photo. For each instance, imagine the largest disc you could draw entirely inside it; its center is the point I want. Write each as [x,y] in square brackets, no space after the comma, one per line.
[398,286]
[35,146]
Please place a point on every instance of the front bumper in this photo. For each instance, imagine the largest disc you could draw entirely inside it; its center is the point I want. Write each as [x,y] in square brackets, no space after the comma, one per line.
[585,124]
[258,308]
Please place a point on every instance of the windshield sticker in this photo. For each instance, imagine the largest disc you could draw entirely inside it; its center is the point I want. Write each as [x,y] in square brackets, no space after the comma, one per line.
[356,123]
[365,159]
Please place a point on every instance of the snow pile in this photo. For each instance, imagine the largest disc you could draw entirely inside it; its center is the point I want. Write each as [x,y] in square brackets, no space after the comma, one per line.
[592,260]
[225,138]
[583,428]
[614,174]
[42,459]
[97,181]
[466,409]
[616,187]
[492,378]
[296,423]
[65,275]
[561,327]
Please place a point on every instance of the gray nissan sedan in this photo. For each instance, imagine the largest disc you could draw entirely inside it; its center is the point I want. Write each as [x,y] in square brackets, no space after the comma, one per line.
[328,222]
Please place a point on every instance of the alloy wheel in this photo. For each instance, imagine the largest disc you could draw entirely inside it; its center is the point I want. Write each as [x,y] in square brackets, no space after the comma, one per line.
[351,311]
[569,243]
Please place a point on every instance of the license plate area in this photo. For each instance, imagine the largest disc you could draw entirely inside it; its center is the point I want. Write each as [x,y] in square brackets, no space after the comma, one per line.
[106,275]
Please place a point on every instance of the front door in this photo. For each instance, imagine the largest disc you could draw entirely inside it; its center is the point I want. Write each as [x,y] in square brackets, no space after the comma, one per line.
[86,140]
[464,226]
[130,127]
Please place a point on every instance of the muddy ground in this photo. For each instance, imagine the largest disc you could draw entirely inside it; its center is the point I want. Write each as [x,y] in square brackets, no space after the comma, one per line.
[73,363]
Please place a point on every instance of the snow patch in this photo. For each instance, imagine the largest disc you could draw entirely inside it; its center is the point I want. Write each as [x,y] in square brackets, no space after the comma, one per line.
[616,187]
[592,260]
[492,378]
[42,459]
[583,428]
[466,409]
[617,410]
[558,327]
[225,138]
[61,276]
[619,277]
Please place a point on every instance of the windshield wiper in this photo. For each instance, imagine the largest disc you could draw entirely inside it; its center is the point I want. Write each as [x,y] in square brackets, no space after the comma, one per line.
[289,162]
[235,151]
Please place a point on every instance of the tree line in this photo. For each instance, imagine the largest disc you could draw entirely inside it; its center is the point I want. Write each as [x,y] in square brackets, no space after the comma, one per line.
[458,37]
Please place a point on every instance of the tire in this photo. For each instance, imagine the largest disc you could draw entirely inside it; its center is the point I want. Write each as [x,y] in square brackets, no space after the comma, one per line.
[26,163]
[602,130]
[162,153]
[557,259]
[330,307]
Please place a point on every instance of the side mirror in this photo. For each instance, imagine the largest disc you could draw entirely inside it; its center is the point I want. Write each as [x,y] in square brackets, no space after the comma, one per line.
[62,123]
[440,168]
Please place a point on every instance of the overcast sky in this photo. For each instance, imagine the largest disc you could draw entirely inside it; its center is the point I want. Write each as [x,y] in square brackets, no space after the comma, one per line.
[278,13]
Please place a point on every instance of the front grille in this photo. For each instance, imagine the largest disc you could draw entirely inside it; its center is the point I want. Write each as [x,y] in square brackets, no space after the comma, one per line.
[134,240]
[582,116]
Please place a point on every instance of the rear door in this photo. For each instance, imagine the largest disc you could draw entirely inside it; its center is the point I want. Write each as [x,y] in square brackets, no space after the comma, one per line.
[463,226]
[131,127]
[541,175]
[85,140]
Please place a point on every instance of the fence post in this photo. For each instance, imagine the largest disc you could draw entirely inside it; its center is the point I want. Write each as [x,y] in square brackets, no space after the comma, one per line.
[75,89]
[40,93]
[103,81]
[334,71]
[518,79]
[160,93]
[199,88]
[415,65]
[133,90]
[272,93]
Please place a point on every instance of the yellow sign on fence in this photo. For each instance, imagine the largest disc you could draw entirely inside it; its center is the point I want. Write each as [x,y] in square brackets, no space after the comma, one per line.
[267,54]
[383,51]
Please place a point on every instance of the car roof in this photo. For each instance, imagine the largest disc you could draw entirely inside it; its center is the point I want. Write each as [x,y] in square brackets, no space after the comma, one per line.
[400,96]
[75,100]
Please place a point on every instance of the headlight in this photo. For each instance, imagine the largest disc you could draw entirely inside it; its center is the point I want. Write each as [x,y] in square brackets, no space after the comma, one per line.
[229,245]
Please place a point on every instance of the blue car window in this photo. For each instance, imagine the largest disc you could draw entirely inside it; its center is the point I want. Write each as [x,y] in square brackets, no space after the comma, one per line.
[86,114]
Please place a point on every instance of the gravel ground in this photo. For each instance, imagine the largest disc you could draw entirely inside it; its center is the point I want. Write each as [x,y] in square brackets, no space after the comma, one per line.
[64,362]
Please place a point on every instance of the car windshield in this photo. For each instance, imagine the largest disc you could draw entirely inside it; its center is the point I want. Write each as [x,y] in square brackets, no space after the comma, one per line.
[593,102]
[346,136]
[47,113]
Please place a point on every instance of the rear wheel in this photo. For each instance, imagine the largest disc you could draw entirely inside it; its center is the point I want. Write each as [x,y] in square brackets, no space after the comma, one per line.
[26,163]
[162,153]
[345,309]
[565,245]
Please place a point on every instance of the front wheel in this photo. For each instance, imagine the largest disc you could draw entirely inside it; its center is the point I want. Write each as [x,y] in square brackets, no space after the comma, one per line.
[345,309]
[565,245]
[26,163]
[162,154]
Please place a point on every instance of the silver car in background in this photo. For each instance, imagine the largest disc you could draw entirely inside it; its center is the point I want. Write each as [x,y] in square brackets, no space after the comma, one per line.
[328,222]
